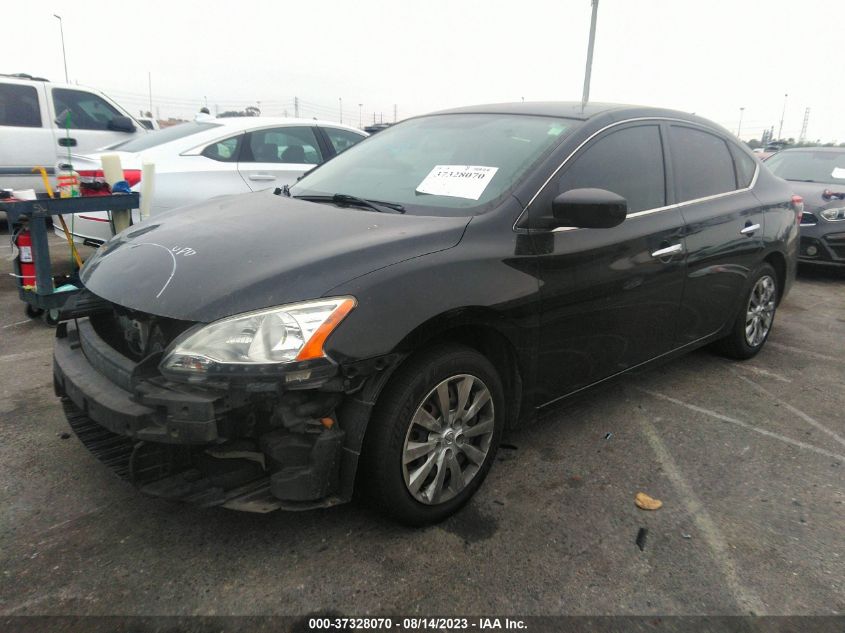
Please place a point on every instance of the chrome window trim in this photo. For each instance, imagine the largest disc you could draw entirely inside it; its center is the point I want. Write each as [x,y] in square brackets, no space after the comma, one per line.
[645,211]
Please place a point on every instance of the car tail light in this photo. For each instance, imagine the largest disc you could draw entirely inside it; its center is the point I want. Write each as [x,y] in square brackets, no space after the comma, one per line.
[798,207]
[93,182]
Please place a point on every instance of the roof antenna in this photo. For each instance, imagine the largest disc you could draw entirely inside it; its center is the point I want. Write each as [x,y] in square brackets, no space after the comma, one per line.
[586,96]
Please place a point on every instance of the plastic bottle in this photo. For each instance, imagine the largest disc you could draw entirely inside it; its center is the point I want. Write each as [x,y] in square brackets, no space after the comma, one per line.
[68,182]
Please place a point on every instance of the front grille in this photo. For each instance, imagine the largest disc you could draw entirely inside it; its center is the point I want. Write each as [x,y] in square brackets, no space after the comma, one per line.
[134,334]
[836,243]
[115,451]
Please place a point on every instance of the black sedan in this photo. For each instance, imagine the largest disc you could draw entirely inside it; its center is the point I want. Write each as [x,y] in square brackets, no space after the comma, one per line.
[817,174]
[386,318]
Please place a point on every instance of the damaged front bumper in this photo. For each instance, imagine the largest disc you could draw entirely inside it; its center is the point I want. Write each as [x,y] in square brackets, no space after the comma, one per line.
[239,447]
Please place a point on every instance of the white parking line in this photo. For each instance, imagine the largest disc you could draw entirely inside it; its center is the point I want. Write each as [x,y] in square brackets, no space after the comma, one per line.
[18,323]
[805,352]
[747,599]
[762,372]
[12,358]
[745,425]
[798,412]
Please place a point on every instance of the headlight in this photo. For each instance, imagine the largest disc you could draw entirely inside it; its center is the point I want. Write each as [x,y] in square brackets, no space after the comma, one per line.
[285,334]
[833,215]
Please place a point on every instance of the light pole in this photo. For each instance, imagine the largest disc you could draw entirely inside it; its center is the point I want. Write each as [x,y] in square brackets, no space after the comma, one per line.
[340,106]
[739,127]
[64,56]
[360,116]
[589,70]
[782,114]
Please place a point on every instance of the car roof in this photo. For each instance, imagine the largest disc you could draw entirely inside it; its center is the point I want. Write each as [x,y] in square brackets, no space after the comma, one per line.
[248,122]
[831,150]
[575,110]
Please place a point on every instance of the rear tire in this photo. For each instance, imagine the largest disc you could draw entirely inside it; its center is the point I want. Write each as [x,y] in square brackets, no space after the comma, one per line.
[433,435]
[753,324]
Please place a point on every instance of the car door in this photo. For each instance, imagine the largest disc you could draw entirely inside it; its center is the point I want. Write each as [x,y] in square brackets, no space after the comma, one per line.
[724,234]
[609,297]
[88,117]
[26,138]
[194,176]
[277,156]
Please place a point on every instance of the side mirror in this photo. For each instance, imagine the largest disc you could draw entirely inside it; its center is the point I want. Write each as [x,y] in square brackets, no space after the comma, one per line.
[122,124]
[589,209]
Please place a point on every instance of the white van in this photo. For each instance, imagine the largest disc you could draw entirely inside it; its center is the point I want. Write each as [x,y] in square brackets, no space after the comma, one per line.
[33,115]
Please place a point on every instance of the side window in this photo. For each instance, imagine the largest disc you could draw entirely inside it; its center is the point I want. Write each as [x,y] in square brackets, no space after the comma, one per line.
[226,151]
[745,166]
[87,110]
[19,106]
[703,163]
[342,139]
[628,162]
[283,145]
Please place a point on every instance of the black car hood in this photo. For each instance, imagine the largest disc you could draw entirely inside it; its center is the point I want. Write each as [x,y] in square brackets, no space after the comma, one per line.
[246,252]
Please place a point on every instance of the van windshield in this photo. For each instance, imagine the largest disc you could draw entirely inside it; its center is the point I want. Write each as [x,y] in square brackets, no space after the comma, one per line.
[439,164]
[159,137]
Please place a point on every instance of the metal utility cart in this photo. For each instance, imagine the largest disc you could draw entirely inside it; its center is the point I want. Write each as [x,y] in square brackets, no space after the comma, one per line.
[34,213]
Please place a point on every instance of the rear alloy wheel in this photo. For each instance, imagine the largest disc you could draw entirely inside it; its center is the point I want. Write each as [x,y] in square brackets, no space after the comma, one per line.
[754,323]
[433,435]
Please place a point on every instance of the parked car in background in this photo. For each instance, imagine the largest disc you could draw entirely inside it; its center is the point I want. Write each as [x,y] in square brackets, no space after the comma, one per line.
[817,174]
[34,115]
[210,157]
[412,298]
[149,123]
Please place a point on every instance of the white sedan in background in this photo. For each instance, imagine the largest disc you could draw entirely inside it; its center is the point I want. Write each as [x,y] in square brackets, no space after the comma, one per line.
[211,157]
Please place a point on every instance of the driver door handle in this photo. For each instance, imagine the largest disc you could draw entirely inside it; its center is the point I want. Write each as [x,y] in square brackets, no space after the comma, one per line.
[748,230]
[261,177]
[669,250]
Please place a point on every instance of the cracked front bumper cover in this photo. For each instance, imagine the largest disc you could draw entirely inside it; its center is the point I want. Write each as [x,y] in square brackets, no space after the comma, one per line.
[156,414]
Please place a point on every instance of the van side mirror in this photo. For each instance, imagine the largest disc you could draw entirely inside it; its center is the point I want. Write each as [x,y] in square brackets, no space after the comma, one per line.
[589,209]
[122,124]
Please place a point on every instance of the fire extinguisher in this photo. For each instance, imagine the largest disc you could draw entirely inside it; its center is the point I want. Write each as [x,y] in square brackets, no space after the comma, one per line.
[24,243]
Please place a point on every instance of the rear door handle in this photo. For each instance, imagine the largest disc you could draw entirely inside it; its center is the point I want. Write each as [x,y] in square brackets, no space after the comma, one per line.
[669,250]
[748,230]
[261,177]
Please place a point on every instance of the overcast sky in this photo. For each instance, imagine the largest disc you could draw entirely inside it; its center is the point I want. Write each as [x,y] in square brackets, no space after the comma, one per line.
[710,57]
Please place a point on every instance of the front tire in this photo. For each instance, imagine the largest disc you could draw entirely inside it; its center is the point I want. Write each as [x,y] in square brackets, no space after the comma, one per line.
[753,324]
[433,435]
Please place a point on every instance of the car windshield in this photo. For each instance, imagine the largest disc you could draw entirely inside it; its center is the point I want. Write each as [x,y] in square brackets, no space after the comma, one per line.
[808,165]
[159,137]
[439,164]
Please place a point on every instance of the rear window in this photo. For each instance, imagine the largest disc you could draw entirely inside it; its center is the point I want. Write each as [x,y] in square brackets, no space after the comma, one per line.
[19,106]
[159,137]
[703,164]
[809,166]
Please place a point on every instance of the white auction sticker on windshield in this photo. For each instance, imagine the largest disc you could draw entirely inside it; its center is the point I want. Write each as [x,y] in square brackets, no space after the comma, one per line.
[838,172]
[457,181]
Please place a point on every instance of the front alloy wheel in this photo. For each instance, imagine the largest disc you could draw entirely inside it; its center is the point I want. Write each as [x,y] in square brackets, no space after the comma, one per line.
[433,434]
[448,439]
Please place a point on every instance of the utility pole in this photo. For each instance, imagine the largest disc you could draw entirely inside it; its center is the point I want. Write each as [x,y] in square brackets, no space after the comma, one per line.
[803,136]
[62,32]
[589,70]
[739,127]
[360,120]
[150,88]
[340,102]
[782,114]
[395,110]
[296,107]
